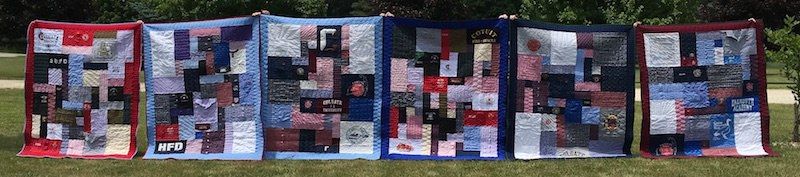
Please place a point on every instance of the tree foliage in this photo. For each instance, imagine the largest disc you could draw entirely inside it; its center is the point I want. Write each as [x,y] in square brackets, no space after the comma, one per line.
[787,52]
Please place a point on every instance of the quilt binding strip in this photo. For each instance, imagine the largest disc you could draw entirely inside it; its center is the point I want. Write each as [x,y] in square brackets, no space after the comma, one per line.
[758,25]
[513,58]
[503,27]
[381,79]
[247,20]
[137,41]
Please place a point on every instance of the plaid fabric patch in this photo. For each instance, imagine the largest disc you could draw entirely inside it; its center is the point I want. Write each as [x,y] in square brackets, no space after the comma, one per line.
[700,95]
[327,73]
[203,90]
[445,97]
[586,74]
[82,90]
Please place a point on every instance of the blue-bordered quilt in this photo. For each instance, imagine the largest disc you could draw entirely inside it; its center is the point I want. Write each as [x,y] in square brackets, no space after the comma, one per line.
[445,90]
[572,90]
[203,95]
[321,87]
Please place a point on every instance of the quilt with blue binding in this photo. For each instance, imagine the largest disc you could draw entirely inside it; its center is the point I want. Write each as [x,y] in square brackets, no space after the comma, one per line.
[203,93]
[321,87]
[572,91]
[445,90]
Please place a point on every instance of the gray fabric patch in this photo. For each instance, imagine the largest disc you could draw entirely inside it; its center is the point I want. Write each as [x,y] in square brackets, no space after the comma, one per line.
[720,76]
[284,90]
[403,99]
[659,75]
[610,49]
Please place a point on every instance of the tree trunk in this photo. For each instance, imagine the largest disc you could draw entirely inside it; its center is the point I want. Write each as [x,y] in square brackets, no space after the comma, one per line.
[796,132]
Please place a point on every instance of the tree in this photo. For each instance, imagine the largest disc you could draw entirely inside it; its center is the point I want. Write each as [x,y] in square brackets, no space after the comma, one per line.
[611,11]
[771,11]
[786,52]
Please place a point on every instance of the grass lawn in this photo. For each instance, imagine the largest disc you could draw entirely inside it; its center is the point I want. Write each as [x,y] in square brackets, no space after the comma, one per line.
[11,113]
[12,68]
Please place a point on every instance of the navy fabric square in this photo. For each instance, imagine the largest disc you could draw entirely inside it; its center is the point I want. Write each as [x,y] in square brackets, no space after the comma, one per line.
[360,109]
[236,33]
[222,58]
[614,79]
[560,85]
[573,111]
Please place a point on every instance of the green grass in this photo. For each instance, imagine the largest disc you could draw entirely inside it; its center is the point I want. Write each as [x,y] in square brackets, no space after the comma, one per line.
[11,114]
[12,68]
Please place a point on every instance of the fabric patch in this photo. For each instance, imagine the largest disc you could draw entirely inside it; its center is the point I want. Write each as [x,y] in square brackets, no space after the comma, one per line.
[663,49]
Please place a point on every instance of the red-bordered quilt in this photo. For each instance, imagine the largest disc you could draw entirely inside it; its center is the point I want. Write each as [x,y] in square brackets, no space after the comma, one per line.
[703,90]
[82,90]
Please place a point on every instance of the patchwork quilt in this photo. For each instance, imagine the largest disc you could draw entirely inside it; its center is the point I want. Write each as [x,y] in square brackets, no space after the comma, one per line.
[203,90]
[81,90]
[322,87]
[572,91]
[703,90]
[446,89]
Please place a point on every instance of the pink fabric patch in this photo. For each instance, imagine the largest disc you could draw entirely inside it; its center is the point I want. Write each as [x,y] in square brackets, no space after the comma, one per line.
[308,33]
[720,152]
[489,84]
[75,147]
[414,127]
[119,82]
[477,68]
[194,146]
[345,37]
[495,68]
[681,117]
[608,99]
[168,85]
[335,119]
[44,88]
[205,32]
[324,74]
[587,86]
[306,121]
[399,75]
[528,103]
[529,67]
[447,148]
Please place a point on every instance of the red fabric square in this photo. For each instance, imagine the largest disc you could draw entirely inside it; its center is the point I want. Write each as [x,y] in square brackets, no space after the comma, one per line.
[394,120]
[480,118]
[224,94]
[167,132]
[435,84]
[73,37]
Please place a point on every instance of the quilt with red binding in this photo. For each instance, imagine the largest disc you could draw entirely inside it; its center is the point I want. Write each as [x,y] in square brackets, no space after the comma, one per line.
[703,90]
[82,90]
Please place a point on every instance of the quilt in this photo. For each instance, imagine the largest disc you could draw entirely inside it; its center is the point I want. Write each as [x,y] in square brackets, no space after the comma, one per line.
[446,89]
[572,91]
[322,87]
[81,90]
[703,90]
[203,93]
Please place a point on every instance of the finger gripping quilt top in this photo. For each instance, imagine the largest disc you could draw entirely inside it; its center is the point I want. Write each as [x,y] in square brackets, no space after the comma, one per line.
[703,90]
[82,90]
[203,91]
[446,88]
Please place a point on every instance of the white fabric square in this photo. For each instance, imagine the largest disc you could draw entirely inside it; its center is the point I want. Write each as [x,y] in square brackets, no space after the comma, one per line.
[449,68]
[525,35]
[356,137]
[662,49]
[429,40]
[36,123]
[488,141]
[483,52]
[118,139]
[663,117]
[284,40]
[244,137]
[239,61]
[54,131]
[527,133]
[484,101]
[719,56]
[124,46]
[397,146]
[362,49]
[163,53]
[426,138]
[47,40]
[563,48]
[747,133]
